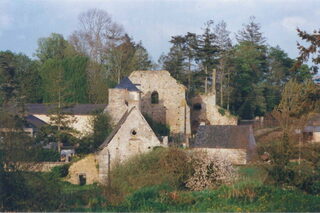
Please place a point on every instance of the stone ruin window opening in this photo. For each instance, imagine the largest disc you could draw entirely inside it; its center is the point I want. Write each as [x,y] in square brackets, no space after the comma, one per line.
[126,103]
[197,107]
[82,179]
[155,97]
[133,132]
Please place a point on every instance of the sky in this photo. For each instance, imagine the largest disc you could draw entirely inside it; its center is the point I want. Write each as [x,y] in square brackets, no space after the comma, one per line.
[153,22]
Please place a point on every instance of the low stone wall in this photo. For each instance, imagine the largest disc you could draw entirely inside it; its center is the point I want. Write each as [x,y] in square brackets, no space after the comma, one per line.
[236,156]
[39,167]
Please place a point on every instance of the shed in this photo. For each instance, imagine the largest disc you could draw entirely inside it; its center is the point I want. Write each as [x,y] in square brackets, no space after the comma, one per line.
[237,143]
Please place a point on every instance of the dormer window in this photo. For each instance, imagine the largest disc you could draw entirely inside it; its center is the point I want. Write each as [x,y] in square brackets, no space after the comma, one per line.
[155,98]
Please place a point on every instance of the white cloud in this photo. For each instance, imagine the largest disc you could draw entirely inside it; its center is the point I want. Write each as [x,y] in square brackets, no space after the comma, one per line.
[291,23]
[5,18]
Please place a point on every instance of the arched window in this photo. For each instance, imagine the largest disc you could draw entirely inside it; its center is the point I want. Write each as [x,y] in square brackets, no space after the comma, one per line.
[155,98]
[197,107]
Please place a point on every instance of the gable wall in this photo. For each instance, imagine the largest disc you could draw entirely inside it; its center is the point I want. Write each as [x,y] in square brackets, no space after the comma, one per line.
[172,108]
[124,145]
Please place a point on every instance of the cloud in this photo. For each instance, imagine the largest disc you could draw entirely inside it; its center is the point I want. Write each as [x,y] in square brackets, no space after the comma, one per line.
[5,18]
[291,23]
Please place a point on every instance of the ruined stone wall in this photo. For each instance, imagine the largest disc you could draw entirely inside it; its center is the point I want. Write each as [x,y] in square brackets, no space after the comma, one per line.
[126,143]
[235,156]
[87,166]
[205,110]
[172,108]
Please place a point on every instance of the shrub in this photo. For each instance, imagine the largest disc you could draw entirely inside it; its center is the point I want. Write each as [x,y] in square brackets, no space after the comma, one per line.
[222,111]
[209,171]
[60,171]
[160,166]
[159,128]
[42,155]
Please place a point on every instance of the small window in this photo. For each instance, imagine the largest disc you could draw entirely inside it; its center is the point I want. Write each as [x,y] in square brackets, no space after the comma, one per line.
[197,107]
[126,103]
[82,179]
[155,98]
[133,132]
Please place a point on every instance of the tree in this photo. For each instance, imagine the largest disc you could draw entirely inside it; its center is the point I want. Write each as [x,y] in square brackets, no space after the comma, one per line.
[97,33]
[53,47]
[8,80]
[247,98]
[207,51]
[298,102]
[174,61]
[126,57]
[224,43]
[251,33]
[250,68]
[312,51]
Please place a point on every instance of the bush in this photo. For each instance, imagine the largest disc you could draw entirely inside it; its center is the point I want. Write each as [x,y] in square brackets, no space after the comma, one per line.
[177,168]
[209,171]
[159,128]
[60,171]
[42,155]
[160,166]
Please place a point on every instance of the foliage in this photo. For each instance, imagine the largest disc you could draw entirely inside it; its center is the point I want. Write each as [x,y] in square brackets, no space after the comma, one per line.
[209,171]
[158,128]
[168,166]
[60,171]
[46,155]
[311,51]
[101,125]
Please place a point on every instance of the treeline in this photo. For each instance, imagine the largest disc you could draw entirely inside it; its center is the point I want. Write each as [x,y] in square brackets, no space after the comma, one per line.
[79,69]
[248,75]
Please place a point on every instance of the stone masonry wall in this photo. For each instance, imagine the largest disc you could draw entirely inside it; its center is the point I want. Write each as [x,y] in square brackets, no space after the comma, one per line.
[235,156]
[172,108]
[125,144]
[81,123]
[208,112]
[88,166]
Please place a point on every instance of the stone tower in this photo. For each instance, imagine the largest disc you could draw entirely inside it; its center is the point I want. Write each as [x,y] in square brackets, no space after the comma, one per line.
[122,98]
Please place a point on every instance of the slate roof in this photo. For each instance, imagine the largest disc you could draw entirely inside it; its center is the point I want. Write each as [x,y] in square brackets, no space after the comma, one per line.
[116,129]
[224,136]
[34,122]
[127,84]
[77,109]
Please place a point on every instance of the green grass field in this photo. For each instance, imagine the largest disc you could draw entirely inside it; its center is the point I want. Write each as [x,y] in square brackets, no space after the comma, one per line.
[249,193]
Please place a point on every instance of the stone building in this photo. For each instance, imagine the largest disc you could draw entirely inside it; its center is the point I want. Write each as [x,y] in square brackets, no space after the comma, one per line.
[131,136]
[205,111]
[236,143]
[80,115]
[163,99]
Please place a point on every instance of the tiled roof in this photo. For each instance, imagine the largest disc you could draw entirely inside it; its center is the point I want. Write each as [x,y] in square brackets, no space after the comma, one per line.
[224,136]
[127,84]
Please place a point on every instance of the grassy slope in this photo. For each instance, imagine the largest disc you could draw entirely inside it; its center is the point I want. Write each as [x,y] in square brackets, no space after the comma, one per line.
[248,194]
